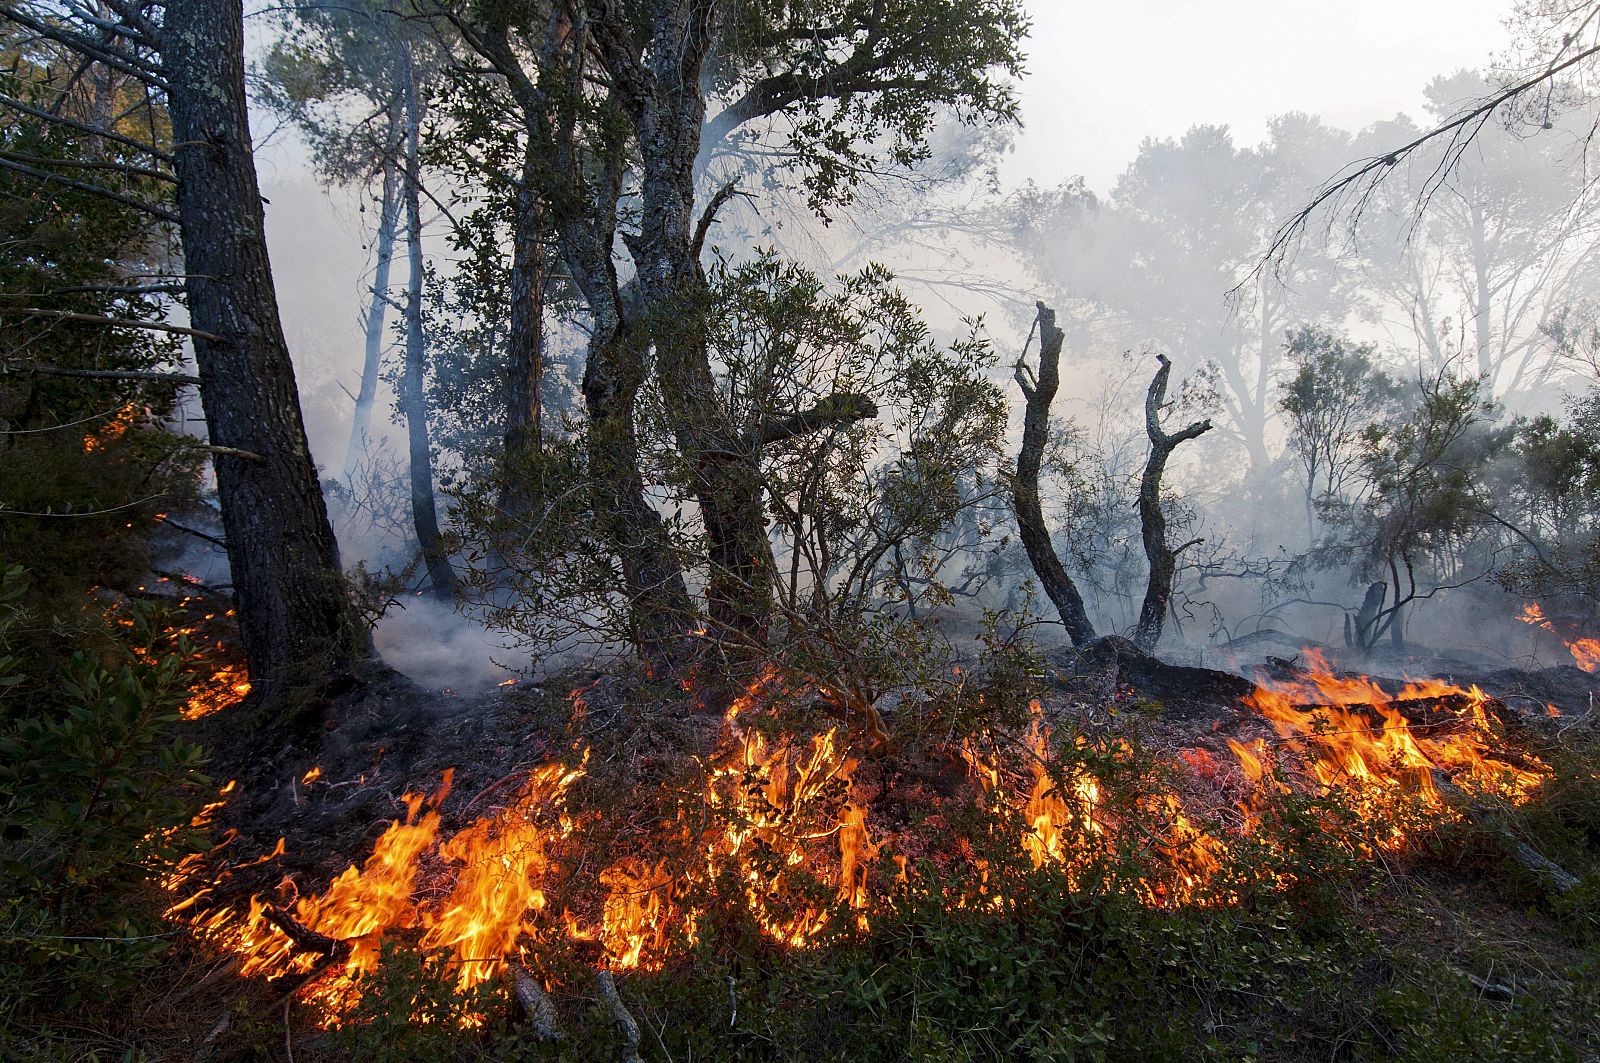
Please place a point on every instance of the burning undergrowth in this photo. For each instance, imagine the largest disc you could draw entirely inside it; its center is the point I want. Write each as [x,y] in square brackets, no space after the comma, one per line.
[796,817]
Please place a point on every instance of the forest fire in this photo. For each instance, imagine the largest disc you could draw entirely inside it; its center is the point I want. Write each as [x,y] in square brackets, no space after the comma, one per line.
[112,430]
[781,824]
[1585,651]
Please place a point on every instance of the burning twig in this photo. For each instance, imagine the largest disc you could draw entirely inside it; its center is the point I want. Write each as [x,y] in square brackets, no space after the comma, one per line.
[620,1015]
[305,939]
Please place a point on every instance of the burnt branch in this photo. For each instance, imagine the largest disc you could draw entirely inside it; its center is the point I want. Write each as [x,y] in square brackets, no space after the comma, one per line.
[1038,391]
[1152,521]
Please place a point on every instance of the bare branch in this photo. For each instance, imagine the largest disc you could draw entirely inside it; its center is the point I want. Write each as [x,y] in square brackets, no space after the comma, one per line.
[155,326]
[101,374]
[105,193]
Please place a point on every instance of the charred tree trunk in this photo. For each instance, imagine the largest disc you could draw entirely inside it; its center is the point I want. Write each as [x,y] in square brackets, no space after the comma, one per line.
[377,309]
[1152,521]
[414,396]
[525,340]
[296,621]
[1038,392]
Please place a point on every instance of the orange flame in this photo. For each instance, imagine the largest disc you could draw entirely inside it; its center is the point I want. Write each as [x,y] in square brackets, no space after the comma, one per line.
[778,824]
[1585,651]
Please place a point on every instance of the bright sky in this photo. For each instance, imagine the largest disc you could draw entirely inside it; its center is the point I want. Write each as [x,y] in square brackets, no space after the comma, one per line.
[1105,74]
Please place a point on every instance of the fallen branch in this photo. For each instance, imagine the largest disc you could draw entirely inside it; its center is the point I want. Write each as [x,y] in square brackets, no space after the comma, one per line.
[1555,878]
[536,1004]
[619,1014]
[304,938]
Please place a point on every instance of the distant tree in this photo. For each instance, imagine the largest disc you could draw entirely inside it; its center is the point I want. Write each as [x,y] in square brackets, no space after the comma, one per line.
[1336,393]
[357,79]
[334,73]
[1509,239]
[1422,500]
[1184,224]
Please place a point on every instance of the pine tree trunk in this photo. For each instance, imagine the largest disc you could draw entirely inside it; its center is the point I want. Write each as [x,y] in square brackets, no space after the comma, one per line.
[296,621]
[377,309]
[414,397]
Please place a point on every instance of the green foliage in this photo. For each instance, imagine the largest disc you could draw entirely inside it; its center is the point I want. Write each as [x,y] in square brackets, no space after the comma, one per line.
[84,463]
[95,795]
[859,85]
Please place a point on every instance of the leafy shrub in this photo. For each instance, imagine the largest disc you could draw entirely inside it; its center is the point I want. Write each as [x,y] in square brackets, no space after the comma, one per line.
[95,794]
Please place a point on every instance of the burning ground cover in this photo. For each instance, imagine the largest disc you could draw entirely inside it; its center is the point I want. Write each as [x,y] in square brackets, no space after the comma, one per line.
[794,820]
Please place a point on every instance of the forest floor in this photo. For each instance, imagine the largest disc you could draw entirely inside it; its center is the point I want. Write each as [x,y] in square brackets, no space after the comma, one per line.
[1442,947]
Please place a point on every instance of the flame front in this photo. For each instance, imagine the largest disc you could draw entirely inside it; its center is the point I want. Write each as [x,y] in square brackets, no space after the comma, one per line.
[780,824]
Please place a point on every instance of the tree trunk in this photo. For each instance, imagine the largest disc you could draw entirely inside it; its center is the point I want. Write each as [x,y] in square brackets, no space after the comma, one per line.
[525,340]
[660,611]
[1038,395]
[414,396]
[296,621]
[1152,521]
[377,309]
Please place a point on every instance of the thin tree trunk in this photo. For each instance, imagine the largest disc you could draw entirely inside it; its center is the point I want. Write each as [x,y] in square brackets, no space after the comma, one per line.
[1038,391]
[660,611]
[1152,521]
[414,398]
[297,624]
[377,308]
[525,340]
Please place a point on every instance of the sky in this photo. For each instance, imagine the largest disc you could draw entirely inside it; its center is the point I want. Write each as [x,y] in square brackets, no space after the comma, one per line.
[1103,76]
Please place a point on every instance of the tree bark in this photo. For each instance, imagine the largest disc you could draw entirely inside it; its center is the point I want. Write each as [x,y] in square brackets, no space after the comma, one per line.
[583,218]
[414,397]
[296,621]
[1152,521]
[377,309]
[1038,392]
[525,340]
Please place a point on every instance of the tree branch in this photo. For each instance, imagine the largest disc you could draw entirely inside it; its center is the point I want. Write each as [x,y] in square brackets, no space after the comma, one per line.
[83,186]
[95,319]
[831,412]
[101,374]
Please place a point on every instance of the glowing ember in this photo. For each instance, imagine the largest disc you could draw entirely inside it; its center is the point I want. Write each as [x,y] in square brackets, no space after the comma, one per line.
[111,431]
[226,687]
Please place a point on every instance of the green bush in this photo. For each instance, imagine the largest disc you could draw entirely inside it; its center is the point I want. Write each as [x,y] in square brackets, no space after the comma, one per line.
[95,798]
